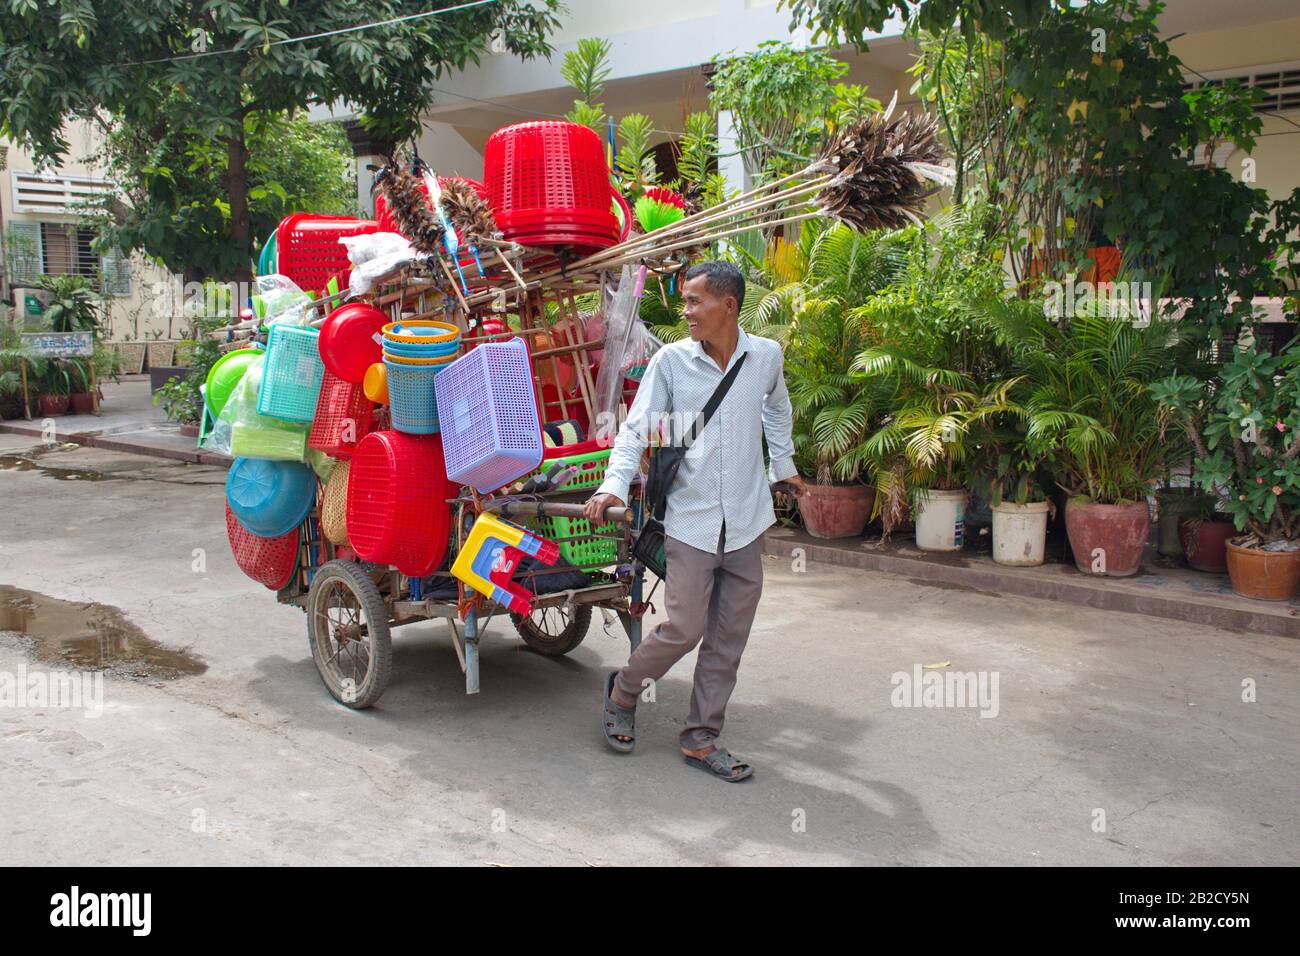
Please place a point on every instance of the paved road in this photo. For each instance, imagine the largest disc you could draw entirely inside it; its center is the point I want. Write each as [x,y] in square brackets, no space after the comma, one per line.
[252,762]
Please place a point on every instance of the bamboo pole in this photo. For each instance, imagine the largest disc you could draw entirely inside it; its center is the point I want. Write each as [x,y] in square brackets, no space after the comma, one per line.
[446,270]
[726,235]
[704,217]
[582,361]
[511,269]
[531,320]
[563,349]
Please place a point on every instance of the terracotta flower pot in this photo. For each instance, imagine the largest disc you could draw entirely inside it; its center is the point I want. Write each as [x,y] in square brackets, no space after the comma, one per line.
[835,511]
[1264,575]
[1203,543]
[1107,539]
[1172,505]
[51,405]
[82,403]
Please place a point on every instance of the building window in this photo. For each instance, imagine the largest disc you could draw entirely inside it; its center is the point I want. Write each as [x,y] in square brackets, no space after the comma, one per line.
[65,251]
[50,248]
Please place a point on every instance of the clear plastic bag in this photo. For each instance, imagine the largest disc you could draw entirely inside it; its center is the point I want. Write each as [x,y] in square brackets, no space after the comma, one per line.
[241,432]
[280,301]
[376,257]
[629,345]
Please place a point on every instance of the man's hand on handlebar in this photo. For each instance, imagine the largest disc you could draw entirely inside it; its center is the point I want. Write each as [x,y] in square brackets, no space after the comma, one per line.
[793,486]
[597,504]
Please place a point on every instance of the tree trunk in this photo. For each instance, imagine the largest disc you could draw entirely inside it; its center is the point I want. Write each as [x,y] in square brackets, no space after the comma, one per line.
[237,191]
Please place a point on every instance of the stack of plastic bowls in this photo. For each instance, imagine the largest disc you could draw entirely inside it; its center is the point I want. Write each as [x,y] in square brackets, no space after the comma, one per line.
[414,352]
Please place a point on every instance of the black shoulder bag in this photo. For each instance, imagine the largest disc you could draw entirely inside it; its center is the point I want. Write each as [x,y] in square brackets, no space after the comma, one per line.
[665,461]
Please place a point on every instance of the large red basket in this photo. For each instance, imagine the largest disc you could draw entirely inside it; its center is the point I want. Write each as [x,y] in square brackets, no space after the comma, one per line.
[308,250]
[268,561]
[397,501]
[548,184]
[343,417]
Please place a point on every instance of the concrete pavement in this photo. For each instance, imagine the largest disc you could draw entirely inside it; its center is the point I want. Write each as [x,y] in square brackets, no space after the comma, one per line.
[1135,723]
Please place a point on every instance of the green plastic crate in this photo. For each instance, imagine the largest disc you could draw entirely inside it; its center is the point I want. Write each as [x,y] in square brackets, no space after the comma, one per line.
[598,552]
[592,551]
[592,471]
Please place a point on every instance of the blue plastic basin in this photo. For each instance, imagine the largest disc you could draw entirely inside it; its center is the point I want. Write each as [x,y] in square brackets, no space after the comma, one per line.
[270,498]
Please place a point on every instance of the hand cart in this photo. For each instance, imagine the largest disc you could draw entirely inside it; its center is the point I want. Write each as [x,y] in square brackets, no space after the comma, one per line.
[352,607]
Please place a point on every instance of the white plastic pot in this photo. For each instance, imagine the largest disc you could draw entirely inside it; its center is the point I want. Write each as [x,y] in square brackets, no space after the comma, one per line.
[939,520]
[1019,533]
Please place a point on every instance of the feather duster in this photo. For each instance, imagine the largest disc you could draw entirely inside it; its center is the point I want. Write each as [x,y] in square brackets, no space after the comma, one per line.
[409,205]
[469,212]
[886,169]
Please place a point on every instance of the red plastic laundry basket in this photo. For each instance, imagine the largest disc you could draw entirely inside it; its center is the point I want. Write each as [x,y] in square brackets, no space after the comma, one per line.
[343,417]
[397,501]
[309,251]
[548,185]
[269,561]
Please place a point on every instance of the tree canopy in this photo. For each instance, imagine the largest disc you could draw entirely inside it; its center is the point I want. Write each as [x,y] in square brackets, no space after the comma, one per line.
[233,60]
[852,19]
[172,203]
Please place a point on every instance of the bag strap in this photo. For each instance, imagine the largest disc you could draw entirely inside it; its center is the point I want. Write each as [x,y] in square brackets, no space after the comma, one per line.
[715,400]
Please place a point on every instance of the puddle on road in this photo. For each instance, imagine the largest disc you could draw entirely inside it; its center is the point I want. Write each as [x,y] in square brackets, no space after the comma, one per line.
[29,461]
[92,636]
[23,463]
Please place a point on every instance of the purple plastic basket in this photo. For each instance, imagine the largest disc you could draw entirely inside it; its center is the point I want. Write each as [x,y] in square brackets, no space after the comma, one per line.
[488,413]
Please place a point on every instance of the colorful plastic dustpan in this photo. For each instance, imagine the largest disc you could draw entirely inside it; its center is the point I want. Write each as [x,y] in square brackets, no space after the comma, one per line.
[225,375]
[376,383]
[350,340]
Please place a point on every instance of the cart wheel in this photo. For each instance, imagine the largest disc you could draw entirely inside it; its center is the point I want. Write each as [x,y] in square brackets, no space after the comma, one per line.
[554,631]
[347,626]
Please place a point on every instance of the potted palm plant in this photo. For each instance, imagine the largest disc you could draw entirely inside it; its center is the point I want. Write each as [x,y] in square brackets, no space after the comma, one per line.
[834,414]
[1243,431]
[810,301]
[53,386]
[80,400]
[1090,390]
[1011,467]
[919,454]
[12,355]
[1203,535]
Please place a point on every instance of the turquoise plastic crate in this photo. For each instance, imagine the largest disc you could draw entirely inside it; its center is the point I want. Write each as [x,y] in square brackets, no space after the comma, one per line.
[291,381]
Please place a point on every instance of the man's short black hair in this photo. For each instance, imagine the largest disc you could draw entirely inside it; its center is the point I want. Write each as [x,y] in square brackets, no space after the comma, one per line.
[721,278]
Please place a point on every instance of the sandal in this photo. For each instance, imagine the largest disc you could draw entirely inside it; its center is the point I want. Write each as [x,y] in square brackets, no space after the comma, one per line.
[618,721]
[722,764]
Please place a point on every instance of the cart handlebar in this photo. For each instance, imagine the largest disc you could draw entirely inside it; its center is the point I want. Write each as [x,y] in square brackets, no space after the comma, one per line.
[537,509]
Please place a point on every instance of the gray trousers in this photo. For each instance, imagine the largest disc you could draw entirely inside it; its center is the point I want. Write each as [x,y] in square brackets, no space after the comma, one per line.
[709,597]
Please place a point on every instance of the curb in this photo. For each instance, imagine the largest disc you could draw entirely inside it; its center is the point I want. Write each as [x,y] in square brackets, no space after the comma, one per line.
[91,439]
[1108,595]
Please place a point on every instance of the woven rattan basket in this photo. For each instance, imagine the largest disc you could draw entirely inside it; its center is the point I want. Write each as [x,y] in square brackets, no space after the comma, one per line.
[334,506]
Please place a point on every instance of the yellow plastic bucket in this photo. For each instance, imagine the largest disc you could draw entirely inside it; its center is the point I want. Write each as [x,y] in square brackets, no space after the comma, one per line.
[376,383]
